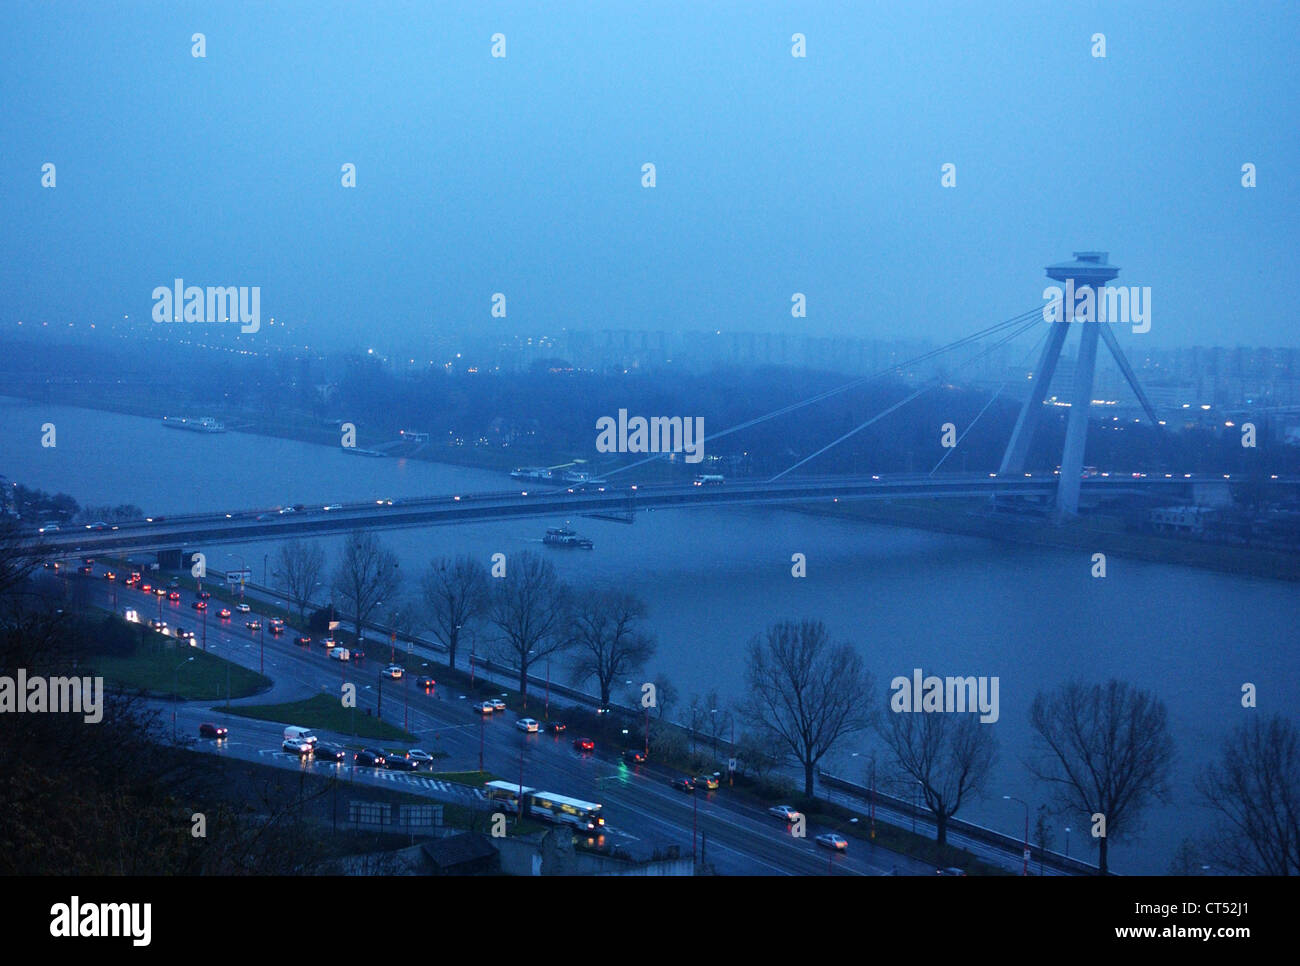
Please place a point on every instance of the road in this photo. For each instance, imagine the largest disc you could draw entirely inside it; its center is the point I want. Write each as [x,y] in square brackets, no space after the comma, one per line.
[640,805]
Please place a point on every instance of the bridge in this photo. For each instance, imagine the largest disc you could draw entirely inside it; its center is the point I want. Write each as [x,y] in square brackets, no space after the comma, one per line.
[1089,272]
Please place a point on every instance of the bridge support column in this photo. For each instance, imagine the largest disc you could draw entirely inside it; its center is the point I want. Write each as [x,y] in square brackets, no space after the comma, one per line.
[1013,460]
[1076,431]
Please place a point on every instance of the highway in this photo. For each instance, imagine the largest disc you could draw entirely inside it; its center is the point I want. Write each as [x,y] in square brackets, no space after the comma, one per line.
[639,802]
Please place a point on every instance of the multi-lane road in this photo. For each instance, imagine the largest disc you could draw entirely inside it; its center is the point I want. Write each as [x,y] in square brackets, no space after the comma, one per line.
[732,835]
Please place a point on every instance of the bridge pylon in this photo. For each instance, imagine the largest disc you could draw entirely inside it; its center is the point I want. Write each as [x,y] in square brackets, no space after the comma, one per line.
[1087,270]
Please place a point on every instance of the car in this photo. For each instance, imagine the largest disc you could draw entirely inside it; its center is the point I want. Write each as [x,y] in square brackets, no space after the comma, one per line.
[277,622]
[369,757]
[174,595]
[339,654]
[253,625]
[786,813]
[358,654]
[832,840]
[110,575]
[159,626]
[49,528]
[97,525]
[173,583]
[420,757]
[426,682]
[394,763]
[634,756]
[484,707]
[277,628]
[200,605]
[160,592]
[209,730]
[224,613]
[529,725]
[683,784]
[287,509]
[394,671]
[185,634]
[243,608]
[584,744]
[333,506]
[707,782]
[951,870]
[497,704]
[87,569]
[205,594]
[302,641]
[146,588]
[327,752]
[297,746]
[558,727]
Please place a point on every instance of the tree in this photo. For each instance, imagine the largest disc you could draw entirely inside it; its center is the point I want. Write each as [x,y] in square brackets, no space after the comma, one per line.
[530,609]
[455,595]
[367,574]
[949,753]
[805,690]
[299,565]
[1255,790]
[606,633]
[1105,749]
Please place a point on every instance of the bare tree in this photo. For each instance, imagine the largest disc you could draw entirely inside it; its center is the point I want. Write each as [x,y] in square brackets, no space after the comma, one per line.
[950,754]
[299,565]
[530,609]
[665,695]
[606,632]
[1107,751]
[695,715]
[455,596]
[1255,789]
[366,576]
[717,717]
[805,690]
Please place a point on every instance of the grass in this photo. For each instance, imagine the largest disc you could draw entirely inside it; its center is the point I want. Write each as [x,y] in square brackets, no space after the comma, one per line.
[327,714]
[475,779]
[154,667]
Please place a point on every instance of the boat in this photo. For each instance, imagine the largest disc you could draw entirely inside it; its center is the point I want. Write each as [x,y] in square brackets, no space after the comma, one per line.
[205,424]
[564,537]
[532,474]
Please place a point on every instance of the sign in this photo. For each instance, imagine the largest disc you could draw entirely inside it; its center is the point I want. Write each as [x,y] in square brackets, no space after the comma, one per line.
[731,764]
[239,576]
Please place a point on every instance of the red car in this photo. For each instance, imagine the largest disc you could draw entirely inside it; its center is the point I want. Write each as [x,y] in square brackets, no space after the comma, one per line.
[146,588]
[585,744]
[225,614]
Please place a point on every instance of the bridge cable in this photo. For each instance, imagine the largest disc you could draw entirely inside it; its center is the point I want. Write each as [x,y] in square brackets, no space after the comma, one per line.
[898,405]
[992,398]
[1032,314]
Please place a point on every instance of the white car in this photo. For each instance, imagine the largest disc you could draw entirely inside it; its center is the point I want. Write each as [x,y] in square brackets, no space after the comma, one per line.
[527,724]
[333,506]
[787,813]
[394,671]
[339,654]
[497,704]
[420,757]
[243,608]
[297,746]
[484,707]
[833,841]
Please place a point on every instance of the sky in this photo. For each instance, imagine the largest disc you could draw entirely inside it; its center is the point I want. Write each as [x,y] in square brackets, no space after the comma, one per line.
[775,174]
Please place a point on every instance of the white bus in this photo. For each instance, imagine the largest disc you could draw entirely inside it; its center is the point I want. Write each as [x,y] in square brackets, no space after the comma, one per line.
[545,806]
[709,479]
[563,810]
[506,794]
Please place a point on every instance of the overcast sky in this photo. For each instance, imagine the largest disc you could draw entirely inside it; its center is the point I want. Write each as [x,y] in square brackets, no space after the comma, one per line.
[775,174]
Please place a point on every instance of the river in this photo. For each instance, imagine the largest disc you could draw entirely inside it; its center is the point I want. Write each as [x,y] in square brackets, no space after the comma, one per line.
[951,605]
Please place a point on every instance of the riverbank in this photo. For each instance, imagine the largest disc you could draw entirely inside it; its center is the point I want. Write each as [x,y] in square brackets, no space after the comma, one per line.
[1089,535]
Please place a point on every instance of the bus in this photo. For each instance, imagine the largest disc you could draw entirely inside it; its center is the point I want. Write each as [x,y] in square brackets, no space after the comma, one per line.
[549,807]
[709,479]
[545,806]
[506,794]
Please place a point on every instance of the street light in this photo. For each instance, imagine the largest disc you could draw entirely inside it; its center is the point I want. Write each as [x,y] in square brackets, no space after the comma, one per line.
[176,690]
[1067,841]
[1011,798]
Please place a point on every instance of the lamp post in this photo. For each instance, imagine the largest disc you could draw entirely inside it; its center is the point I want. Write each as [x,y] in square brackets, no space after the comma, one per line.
[1067,841]
[1011,798]
[176,690]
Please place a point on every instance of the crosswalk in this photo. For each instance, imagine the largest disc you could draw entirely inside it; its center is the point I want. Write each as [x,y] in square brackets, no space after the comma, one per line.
[382,774]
